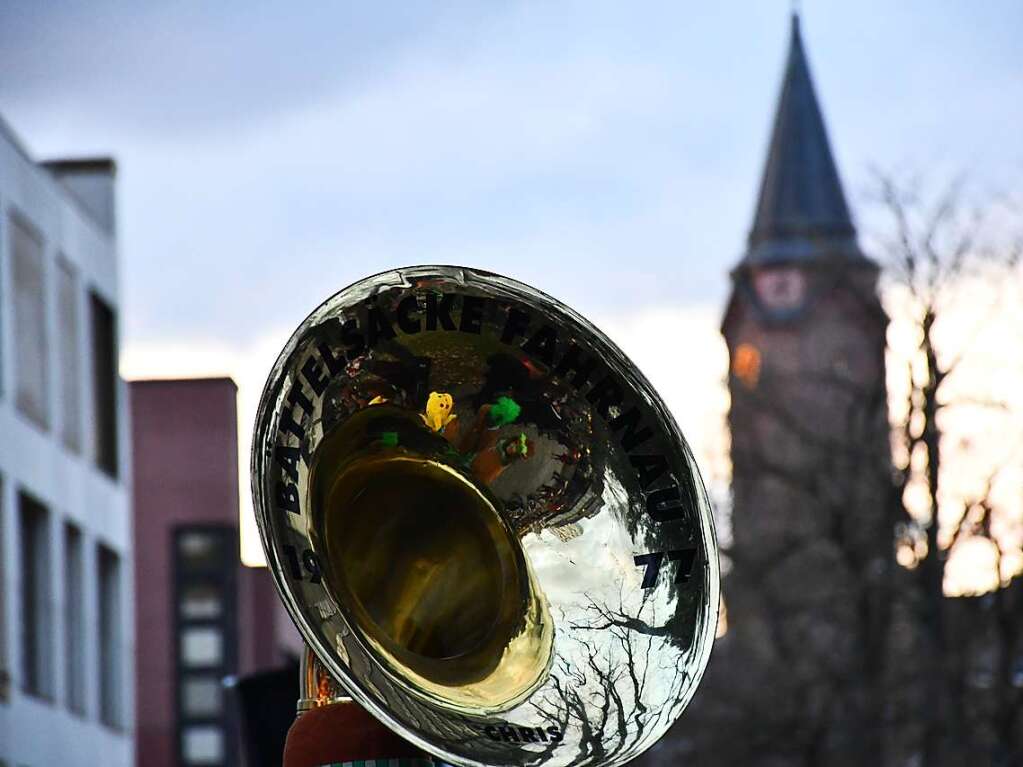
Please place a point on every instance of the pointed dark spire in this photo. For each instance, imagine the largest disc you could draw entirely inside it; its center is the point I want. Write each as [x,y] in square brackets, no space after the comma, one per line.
[801,214]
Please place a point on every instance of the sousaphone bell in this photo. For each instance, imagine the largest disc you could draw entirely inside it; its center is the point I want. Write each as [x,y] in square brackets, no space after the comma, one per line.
[484,522]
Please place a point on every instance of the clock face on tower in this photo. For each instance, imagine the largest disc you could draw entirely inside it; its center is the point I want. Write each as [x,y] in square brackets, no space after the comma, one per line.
[780,289]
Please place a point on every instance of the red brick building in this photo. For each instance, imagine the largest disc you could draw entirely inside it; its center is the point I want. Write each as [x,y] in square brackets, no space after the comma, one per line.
[201,617]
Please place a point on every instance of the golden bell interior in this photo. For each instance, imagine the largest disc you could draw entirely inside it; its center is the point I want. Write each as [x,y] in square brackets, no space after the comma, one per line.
[426,571]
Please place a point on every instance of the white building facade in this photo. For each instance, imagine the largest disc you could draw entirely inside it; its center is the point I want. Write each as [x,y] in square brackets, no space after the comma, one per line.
[66,602]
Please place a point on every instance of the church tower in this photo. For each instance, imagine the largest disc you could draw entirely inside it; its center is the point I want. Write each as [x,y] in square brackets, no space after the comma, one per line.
[811,534]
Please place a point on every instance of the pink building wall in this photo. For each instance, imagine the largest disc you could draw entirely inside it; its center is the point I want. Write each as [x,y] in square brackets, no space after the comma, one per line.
[185,442]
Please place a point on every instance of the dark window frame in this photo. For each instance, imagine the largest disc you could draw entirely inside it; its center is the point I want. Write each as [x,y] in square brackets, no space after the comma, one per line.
[220,572]
[103,348]
[111,711]
[75,642]
[5,668]
[37,650]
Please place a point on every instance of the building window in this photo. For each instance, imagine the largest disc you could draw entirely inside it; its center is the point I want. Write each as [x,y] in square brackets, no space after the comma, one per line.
[202,745]
[204,595]
[202,646]
[104,383]
[746,364]
[74,620]
[200,600]
[70,364]
[36,599]
[111,651]
[30,347]
[201,697]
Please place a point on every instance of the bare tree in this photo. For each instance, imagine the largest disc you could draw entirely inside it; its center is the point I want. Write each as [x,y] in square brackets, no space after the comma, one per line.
[950,265]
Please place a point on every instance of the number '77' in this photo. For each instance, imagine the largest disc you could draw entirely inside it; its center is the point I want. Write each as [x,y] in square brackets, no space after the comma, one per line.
[652,563]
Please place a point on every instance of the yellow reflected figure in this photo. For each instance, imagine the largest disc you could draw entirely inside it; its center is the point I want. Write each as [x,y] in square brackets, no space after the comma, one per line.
[438,411]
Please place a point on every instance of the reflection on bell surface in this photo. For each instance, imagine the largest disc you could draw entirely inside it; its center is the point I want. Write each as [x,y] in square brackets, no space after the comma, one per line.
[484,522]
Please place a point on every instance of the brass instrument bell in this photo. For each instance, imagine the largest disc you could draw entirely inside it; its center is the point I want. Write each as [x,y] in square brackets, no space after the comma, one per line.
[484,522]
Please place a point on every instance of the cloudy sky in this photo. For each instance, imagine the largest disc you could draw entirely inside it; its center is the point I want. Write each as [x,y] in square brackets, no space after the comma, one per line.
[607,153]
